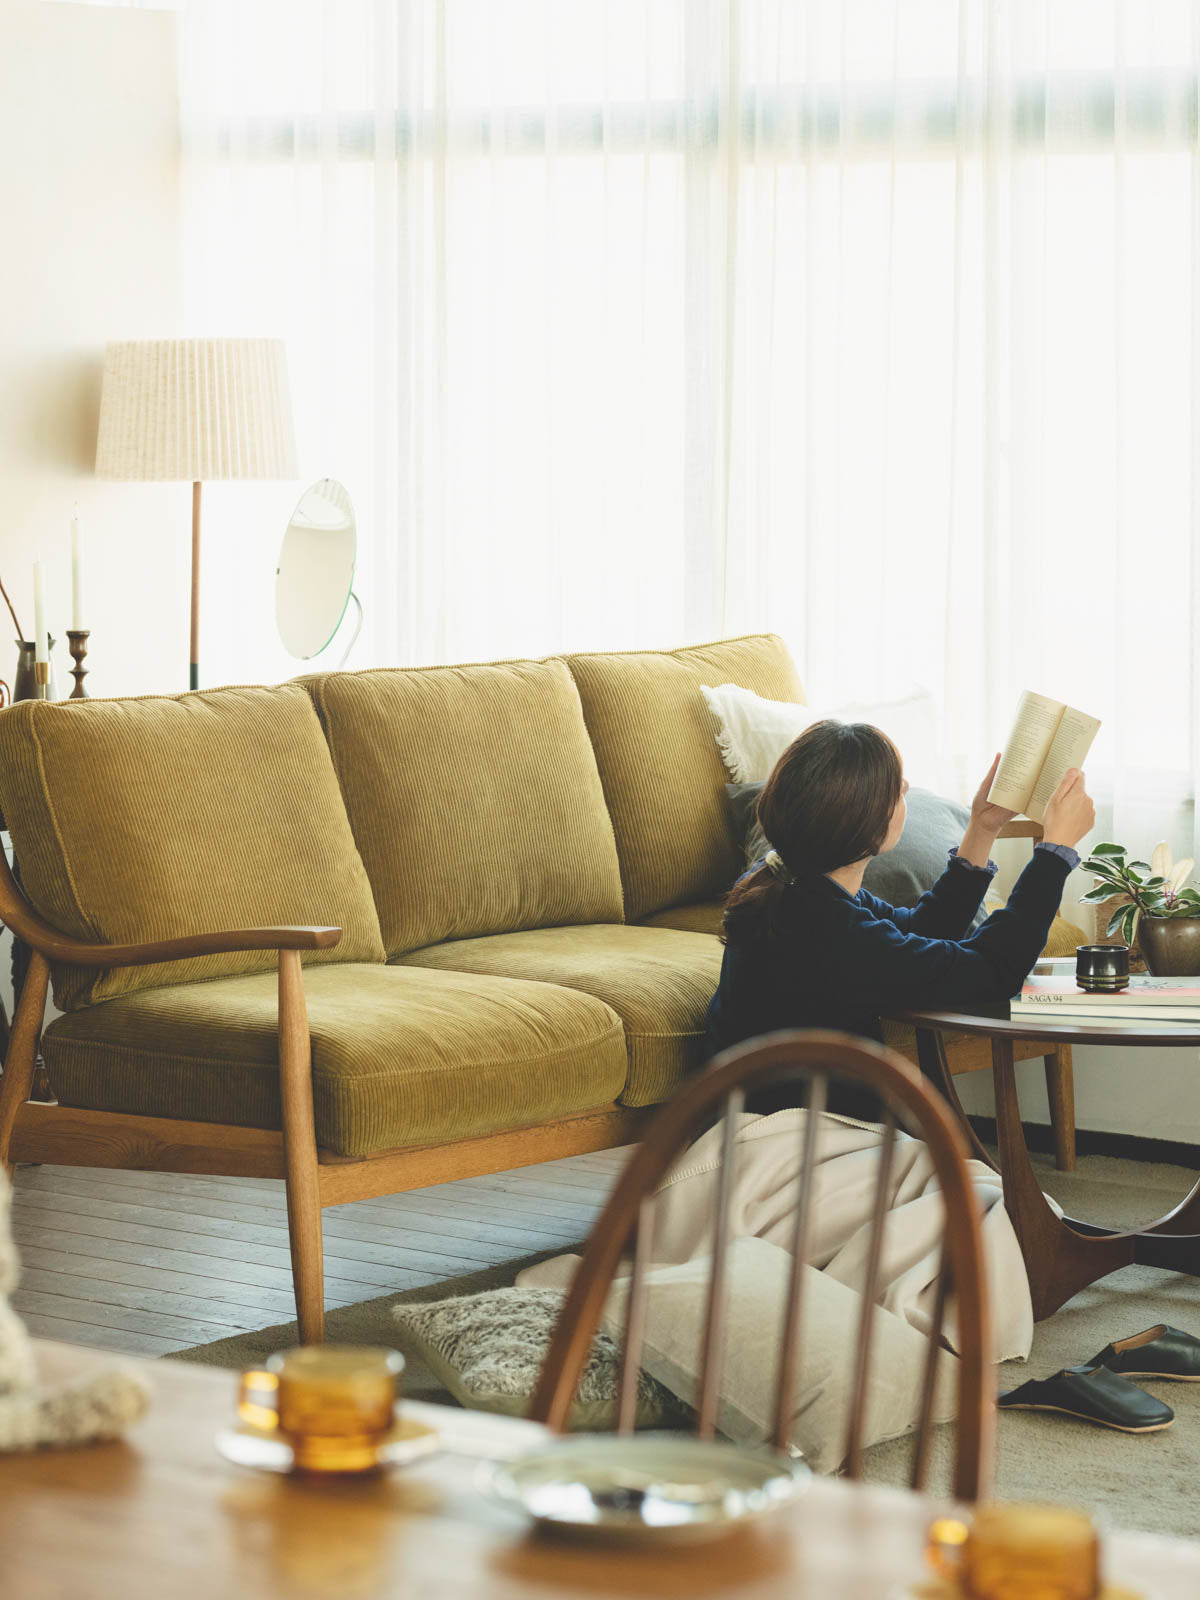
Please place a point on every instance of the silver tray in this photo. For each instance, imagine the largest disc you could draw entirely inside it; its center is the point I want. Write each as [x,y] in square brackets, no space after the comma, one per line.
[645,1487]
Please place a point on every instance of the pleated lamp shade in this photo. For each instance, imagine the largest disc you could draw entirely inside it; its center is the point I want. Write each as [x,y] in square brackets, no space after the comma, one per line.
[195,410]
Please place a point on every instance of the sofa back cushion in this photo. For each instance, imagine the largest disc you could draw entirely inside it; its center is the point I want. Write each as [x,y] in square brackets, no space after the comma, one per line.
[145,819]
[474,797]
[663,777]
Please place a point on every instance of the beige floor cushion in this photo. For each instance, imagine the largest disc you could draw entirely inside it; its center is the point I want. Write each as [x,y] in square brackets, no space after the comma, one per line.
[658,981]
[759,1277]
[139,820]
[401,1057]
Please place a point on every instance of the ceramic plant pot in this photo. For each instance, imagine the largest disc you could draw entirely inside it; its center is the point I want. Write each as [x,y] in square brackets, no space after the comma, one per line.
[1171,945]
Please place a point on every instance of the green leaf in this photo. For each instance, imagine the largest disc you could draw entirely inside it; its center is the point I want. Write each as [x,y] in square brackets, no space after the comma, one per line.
[1108,849]
[1129,920]
[1114,922]
[1154,883]
[1103,870]
[1137,866]
[1106,891]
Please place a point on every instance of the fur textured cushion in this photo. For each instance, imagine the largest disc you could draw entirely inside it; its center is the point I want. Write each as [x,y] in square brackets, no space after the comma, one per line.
[488,1348]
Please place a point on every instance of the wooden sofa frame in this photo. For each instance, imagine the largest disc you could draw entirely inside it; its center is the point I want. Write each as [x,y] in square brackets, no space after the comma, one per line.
[36,1131]
[39,1131]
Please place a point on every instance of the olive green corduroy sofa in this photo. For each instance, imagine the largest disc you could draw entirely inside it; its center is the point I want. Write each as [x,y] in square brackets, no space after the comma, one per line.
[368,931]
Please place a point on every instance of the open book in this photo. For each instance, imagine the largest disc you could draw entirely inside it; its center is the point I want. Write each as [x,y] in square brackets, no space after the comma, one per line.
[1047,737]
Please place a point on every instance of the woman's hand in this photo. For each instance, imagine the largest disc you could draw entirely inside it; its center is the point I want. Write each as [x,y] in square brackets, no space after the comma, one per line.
[985,816]
[1070,814]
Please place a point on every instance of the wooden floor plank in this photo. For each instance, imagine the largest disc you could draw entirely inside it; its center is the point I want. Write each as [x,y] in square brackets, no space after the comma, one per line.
[341,1244]
[149,1262]
[223,1268]
[84,1287]
[358,1220]
[165,1324]
[268,1303]
[134,1344]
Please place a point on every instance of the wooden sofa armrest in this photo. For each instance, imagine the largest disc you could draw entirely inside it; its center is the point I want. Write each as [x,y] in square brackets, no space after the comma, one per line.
[295,1054]
[1021,829]
[75,952]
[21,919]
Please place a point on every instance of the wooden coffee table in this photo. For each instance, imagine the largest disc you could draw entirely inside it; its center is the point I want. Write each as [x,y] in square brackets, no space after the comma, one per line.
[161,1516]
[1062,1254]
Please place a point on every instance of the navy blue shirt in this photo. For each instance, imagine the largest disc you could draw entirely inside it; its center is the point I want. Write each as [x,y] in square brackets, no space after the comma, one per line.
[837,960]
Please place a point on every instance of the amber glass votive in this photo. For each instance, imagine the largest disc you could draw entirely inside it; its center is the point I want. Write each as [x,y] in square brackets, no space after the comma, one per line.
[336,1403]
[1020,1552]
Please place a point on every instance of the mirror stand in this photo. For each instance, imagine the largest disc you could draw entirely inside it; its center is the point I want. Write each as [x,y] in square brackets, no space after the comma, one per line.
[358,622]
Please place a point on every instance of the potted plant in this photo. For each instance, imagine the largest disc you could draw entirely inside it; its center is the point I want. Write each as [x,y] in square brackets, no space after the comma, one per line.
[1149,899]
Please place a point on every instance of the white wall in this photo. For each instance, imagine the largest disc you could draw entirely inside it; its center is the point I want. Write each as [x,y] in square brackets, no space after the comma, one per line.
[89,197]
[89,251]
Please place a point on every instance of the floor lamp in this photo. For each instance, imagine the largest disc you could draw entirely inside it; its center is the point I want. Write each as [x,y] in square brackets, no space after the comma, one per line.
[191,411]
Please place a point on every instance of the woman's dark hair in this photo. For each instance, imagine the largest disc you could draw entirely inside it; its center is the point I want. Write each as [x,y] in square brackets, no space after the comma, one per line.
[828,802]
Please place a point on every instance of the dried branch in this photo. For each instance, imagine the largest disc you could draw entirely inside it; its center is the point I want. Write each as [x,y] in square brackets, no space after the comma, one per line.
[12,614]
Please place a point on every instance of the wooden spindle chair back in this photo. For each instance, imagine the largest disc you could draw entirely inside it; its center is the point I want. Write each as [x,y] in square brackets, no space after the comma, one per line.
[626,1226]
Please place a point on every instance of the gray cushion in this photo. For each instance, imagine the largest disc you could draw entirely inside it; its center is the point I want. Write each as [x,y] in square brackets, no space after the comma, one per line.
[488,1349]
[901,876]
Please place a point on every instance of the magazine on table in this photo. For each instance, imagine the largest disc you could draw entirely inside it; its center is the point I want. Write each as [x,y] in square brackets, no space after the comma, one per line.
[1152,999]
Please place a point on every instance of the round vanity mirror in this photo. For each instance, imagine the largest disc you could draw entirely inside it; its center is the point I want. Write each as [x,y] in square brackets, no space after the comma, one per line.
[316,569]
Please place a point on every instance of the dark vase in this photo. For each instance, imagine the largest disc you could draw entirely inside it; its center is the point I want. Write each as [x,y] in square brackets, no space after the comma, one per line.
[24,684]
[1171,946]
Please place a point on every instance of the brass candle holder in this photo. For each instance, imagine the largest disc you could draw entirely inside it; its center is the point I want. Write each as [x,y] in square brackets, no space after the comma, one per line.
[41,679]
[77,639]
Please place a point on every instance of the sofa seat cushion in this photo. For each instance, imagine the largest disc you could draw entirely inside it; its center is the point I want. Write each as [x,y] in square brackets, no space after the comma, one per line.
[139,820]
[703,917]
[401,1056]
[663,776]
[657,980]
[474,797]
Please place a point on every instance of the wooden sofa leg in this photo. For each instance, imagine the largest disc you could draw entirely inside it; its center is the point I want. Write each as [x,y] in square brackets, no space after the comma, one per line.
[300,1151]
[20,1060]
[1060,1092]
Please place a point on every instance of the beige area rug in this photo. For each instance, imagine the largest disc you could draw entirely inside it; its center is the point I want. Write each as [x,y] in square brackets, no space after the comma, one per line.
[367,1322]
[1148,1483]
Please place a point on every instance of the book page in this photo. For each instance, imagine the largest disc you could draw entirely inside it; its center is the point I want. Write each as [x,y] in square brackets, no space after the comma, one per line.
[1068,748]
[1025,751]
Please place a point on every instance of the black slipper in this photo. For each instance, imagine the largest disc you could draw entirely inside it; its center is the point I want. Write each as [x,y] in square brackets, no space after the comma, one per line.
[1093,1394]
[1158,1352]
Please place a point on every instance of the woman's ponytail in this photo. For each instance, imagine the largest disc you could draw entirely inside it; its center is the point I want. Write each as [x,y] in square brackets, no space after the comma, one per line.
[828,802]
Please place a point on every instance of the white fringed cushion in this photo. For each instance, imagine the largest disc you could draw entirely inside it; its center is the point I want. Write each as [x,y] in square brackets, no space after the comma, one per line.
[487,1350]
[752,733]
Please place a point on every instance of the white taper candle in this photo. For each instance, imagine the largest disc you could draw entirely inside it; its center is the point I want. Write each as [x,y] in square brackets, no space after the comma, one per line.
[40,653]
[76,574]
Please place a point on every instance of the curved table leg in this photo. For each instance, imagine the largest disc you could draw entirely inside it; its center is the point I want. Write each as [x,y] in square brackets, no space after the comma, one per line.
[1061,1255]
[931,1053]
[1058,1260]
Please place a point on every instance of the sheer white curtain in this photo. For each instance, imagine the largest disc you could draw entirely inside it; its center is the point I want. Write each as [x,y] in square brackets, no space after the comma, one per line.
[628,322]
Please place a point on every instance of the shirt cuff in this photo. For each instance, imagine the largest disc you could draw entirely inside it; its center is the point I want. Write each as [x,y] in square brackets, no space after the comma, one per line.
[991,869]
[1071,857]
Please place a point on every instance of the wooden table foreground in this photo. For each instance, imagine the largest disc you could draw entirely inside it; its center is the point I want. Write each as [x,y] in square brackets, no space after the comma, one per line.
[160,1516]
